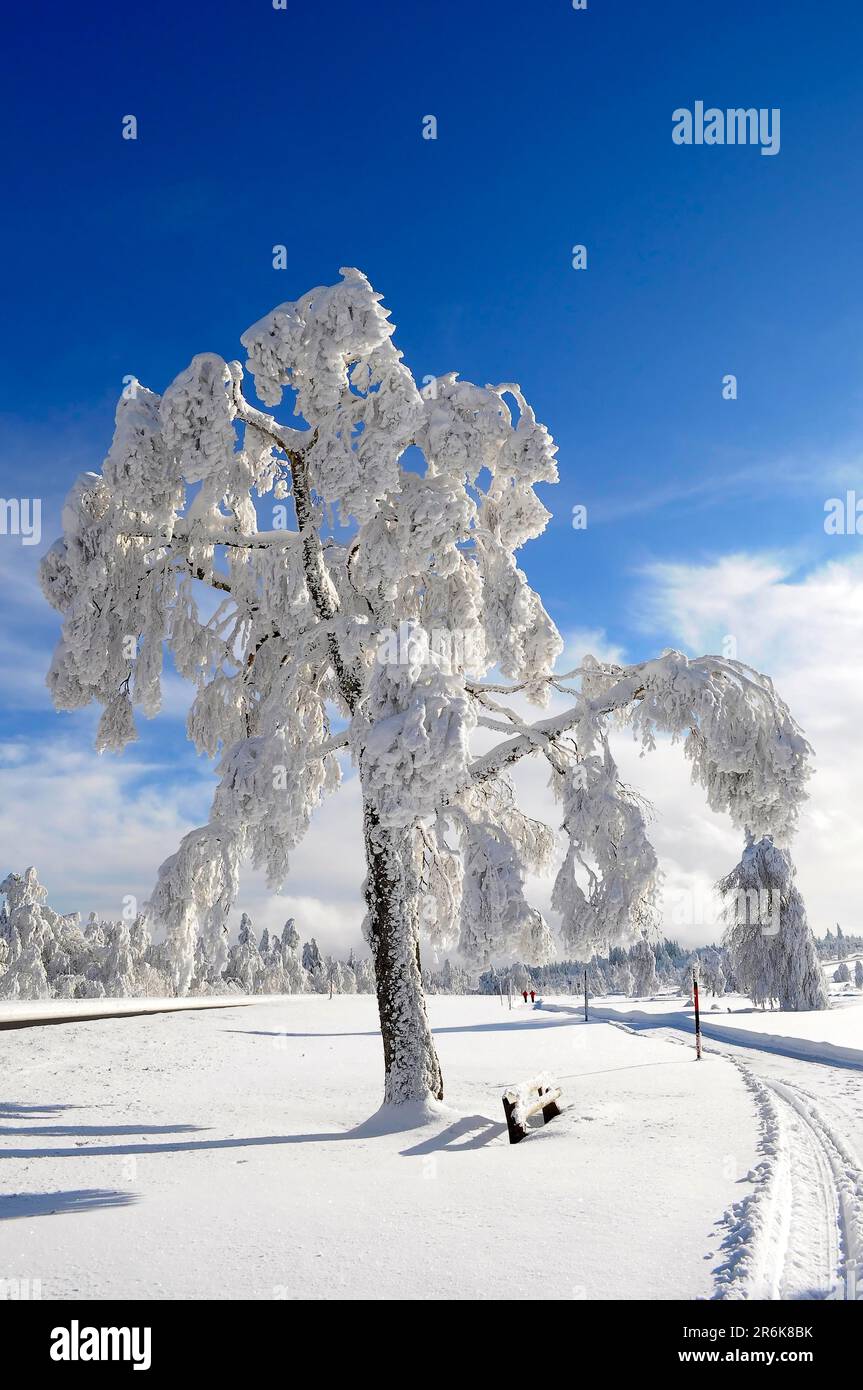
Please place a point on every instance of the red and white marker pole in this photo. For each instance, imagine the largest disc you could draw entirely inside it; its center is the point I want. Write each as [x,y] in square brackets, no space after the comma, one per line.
[585,996]
[697,1017]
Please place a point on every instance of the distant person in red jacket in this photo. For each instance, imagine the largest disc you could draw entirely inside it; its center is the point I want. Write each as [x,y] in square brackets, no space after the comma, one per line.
[532,996]
[524,992]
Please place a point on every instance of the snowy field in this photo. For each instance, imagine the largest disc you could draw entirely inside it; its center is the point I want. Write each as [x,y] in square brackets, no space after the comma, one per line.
[222,1154]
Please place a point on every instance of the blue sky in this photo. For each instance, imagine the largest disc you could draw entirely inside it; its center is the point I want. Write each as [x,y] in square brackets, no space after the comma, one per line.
[303,127]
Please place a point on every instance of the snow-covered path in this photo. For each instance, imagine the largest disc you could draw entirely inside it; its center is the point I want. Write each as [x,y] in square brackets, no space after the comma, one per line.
[223,1154]
[801,1230]
[38,1013]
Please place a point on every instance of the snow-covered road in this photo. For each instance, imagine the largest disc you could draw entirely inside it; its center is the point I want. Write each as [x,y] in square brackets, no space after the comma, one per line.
[38,1013]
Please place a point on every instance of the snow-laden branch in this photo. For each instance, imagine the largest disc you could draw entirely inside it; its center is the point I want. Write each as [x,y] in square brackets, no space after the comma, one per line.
[214,532]
[281,436]
[745,748]
[546,731]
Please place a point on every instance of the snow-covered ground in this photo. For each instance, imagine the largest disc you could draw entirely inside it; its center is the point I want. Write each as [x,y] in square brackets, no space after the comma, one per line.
[223,1154]
[804,1221]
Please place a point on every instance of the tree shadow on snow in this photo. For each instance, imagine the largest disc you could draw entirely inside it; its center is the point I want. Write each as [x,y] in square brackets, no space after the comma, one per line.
[483,1129]
[11,1110]
[389,1119]
[191,1146]
[17,1205]
[501,1027]
[83,1131]
[29,1114]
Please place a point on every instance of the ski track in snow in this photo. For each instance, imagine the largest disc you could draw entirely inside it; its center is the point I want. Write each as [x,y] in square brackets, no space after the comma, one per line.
[795,1235]
[785,1239]
[837,1183]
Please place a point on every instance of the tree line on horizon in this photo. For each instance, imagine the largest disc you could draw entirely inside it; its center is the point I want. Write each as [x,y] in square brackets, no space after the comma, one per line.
[45,954]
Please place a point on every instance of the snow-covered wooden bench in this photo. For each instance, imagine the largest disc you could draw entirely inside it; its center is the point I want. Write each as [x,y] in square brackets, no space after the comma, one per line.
[522,1101]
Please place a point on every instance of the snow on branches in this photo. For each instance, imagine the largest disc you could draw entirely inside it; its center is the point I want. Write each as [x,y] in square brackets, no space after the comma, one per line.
[197,414]
[605,824]
[746,750]
[194,893]
[413,733]
[499,846]
[333,349]
[305,643]
[773,952]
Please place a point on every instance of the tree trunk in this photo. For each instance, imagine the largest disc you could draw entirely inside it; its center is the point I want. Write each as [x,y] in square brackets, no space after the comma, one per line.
[411,1067]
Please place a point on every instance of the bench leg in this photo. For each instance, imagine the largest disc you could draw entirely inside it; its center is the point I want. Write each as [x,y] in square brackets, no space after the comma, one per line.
[548,1111]
[516,1131]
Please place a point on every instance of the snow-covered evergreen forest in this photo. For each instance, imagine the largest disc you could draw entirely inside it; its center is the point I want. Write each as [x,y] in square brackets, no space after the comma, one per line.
[47,955]
[838,945]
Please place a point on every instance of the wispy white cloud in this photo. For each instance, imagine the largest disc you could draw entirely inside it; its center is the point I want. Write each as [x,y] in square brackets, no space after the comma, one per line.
[806,632]
[98,827]
[724,482]
[95,827]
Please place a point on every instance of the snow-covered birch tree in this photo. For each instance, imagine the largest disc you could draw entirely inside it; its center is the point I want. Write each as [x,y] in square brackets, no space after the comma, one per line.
[383,617]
